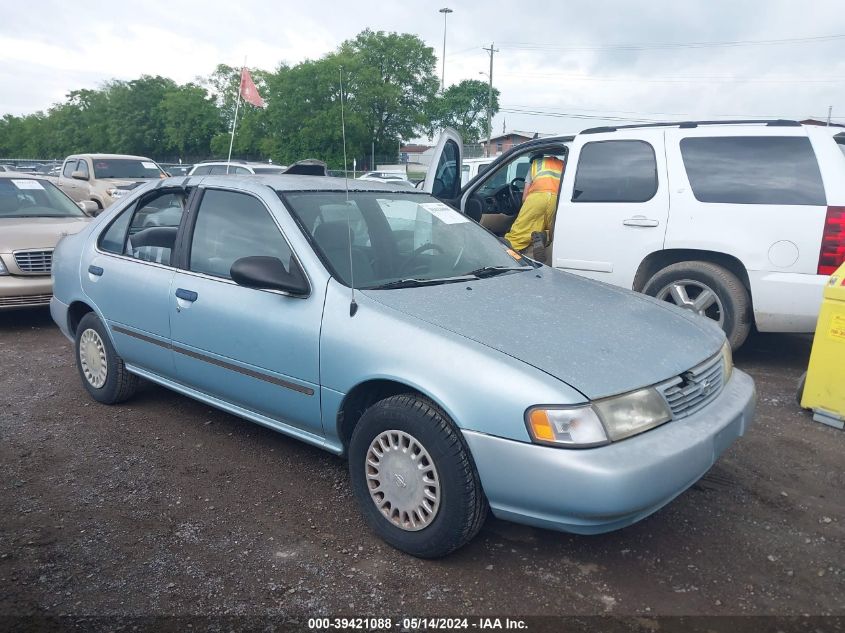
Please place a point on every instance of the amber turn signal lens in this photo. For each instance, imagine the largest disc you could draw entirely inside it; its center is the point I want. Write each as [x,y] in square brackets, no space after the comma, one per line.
[541,426]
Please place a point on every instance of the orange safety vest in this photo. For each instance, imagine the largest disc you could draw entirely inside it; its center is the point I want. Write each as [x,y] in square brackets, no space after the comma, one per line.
[545,175]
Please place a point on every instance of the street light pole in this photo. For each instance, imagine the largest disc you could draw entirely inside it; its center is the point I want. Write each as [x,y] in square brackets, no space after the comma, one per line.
[445,11]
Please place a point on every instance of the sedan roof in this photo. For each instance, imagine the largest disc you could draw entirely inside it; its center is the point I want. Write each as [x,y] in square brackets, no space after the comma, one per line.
[287,182]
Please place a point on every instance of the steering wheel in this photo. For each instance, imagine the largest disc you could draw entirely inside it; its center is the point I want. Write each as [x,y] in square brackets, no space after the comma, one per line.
[428,246]
[515,193]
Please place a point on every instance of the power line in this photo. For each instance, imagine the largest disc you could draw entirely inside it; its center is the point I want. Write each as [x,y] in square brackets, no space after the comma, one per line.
[541,108]
[641,119]
[680,78]
[674,45]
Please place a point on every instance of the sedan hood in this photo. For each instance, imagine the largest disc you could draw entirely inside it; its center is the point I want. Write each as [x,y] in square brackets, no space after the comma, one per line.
[33,233]
[126,183]
[599,339]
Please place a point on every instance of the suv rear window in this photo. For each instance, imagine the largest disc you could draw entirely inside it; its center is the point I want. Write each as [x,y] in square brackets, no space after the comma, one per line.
[753,170]
[616,171]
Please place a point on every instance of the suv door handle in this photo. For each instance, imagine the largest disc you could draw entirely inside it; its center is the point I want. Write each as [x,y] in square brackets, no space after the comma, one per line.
[186,295]
[95,270]
[640,220]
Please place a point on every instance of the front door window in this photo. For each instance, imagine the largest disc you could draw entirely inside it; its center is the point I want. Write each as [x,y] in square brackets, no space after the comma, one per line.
[231,225]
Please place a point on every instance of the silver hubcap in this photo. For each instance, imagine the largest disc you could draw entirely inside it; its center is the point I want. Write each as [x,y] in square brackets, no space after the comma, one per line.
[403,480]
[92,358]
[695,296]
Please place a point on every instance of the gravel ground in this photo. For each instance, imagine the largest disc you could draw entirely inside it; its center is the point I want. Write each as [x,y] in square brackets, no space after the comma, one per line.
[163,506]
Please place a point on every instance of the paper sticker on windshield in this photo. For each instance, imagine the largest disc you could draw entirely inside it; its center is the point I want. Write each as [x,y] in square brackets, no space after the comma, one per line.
[148,165]
[445,214]
[27,184]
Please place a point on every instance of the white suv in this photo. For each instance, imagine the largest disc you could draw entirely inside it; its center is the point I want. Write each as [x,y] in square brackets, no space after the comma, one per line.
[741,222]
[235,167]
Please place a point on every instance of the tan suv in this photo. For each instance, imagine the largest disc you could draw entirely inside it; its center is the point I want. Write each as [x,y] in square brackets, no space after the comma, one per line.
[34,216]
[103,178]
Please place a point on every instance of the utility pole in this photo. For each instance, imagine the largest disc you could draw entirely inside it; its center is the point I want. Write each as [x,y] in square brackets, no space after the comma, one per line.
[445,11]
[490,50]
[829,112]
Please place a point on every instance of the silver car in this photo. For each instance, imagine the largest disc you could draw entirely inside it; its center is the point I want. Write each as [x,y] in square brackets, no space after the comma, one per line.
[378,323]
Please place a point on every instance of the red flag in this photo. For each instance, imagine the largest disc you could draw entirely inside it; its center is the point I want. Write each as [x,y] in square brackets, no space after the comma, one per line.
[249,92]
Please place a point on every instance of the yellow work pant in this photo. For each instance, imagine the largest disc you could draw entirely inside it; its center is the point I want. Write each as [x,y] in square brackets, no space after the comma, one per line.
[535,215]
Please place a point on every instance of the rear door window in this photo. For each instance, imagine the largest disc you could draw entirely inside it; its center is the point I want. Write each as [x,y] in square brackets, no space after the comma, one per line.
[147,231]
[753,170]
[616,171]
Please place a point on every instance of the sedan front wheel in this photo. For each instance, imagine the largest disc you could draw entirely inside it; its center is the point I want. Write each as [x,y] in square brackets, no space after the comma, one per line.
[413,477]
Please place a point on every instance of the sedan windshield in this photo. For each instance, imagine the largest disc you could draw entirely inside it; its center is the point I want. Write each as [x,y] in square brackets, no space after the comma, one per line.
[398,239]
[125,168]
[30,198]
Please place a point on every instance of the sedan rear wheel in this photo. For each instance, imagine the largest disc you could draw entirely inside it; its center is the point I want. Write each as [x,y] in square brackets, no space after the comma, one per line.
[103,372]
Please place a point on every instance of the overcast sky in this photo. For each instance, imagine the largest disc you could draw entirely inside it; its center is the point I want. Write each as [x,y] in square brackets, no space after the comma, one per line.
[647,60]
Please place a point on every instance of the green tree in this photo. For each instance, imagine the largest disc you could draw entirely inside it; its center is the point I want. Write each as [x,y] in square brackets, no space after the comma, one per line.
[389,81]
[191,120]
[136,121]
[463,106]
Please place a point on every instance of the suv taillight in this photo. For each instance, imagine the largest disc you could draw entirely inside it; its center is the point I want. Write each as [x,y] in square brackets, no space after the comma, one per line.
[832,254]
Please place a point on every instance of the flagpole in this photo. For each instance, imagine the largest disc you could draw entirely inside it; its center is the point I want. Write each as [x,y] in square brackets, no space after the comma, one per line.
[235,120]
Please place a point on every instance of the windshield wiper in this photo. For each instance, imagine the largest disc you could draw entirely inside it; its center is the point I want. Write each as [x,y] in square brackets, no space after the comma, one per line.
[415,283]
[492,271]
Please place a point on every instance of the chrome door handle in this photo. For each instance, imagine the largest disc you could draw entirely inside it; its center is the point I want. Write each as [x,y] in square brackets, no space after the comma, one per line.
[640,220]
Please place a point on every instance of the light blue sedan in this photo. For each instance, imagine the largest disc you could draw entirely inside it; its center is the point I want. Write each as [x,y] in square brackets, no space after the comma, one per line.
[379,323]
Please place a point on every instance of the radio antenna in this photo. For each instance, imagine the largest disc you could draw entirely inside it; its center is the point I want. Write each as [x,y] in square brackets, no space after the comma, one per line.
[353,307]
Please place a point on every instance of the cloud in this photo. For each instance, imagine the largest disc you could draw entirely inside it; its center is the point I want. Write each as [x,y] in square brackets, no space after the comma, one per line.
[558,59]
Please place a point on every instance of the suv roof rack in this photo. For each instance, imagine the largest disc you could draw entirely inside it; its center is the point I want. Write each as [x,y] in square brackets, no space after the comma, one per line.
[223,160]
[694,124]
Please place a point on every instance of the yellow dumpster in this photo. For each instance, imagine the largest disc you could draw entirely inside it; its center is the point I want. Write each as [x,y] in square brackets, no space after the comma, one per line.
[824,386]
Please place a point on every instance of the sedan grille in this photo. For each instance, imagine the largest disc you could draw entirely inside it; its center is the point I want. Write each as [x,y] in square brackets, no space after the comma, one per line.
[694,389]
[28,300]
[34,262]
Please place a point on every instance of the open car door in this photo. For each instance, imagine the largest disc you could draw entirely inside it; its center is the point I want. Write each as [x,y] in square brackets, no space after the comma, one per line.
[443,178]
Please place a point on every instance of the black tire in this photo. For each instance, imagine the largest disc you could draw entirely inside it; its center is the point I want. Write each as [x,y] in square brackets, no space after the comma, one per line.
[462,508]
[119,384]
[728,288]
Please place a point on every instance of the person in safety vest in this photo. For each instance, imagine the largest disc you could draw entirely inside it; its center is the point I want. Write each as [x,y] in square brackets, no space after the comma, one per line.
[539,201]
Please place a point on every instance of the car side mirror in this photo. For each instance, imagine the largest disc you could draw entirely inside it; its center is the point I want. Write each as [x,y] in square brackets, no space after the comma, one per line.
[89,207]
[79,175]
[268,273]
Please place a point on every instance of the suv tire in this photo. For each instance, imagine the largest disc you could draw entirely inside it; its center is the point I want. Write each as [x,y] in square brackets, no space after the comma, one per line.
[423,456]
[730,299]
[103,372]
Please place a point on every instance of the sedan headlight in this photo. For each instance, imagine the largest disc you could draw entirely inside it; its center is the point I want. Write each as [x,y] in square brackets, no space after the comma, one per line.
[114,192]
[607,420]
[3,269]
[576,427]
[727,362]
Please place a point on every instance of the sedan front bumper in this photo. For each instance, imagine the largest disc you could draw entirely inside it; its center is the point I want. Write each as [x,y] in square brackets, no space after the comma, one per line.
[590,491]
[20,291]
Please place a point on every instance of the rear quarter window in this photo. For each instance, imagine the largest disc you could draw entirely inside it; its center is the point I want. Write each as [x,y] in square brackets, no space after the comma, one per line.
[753,170]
